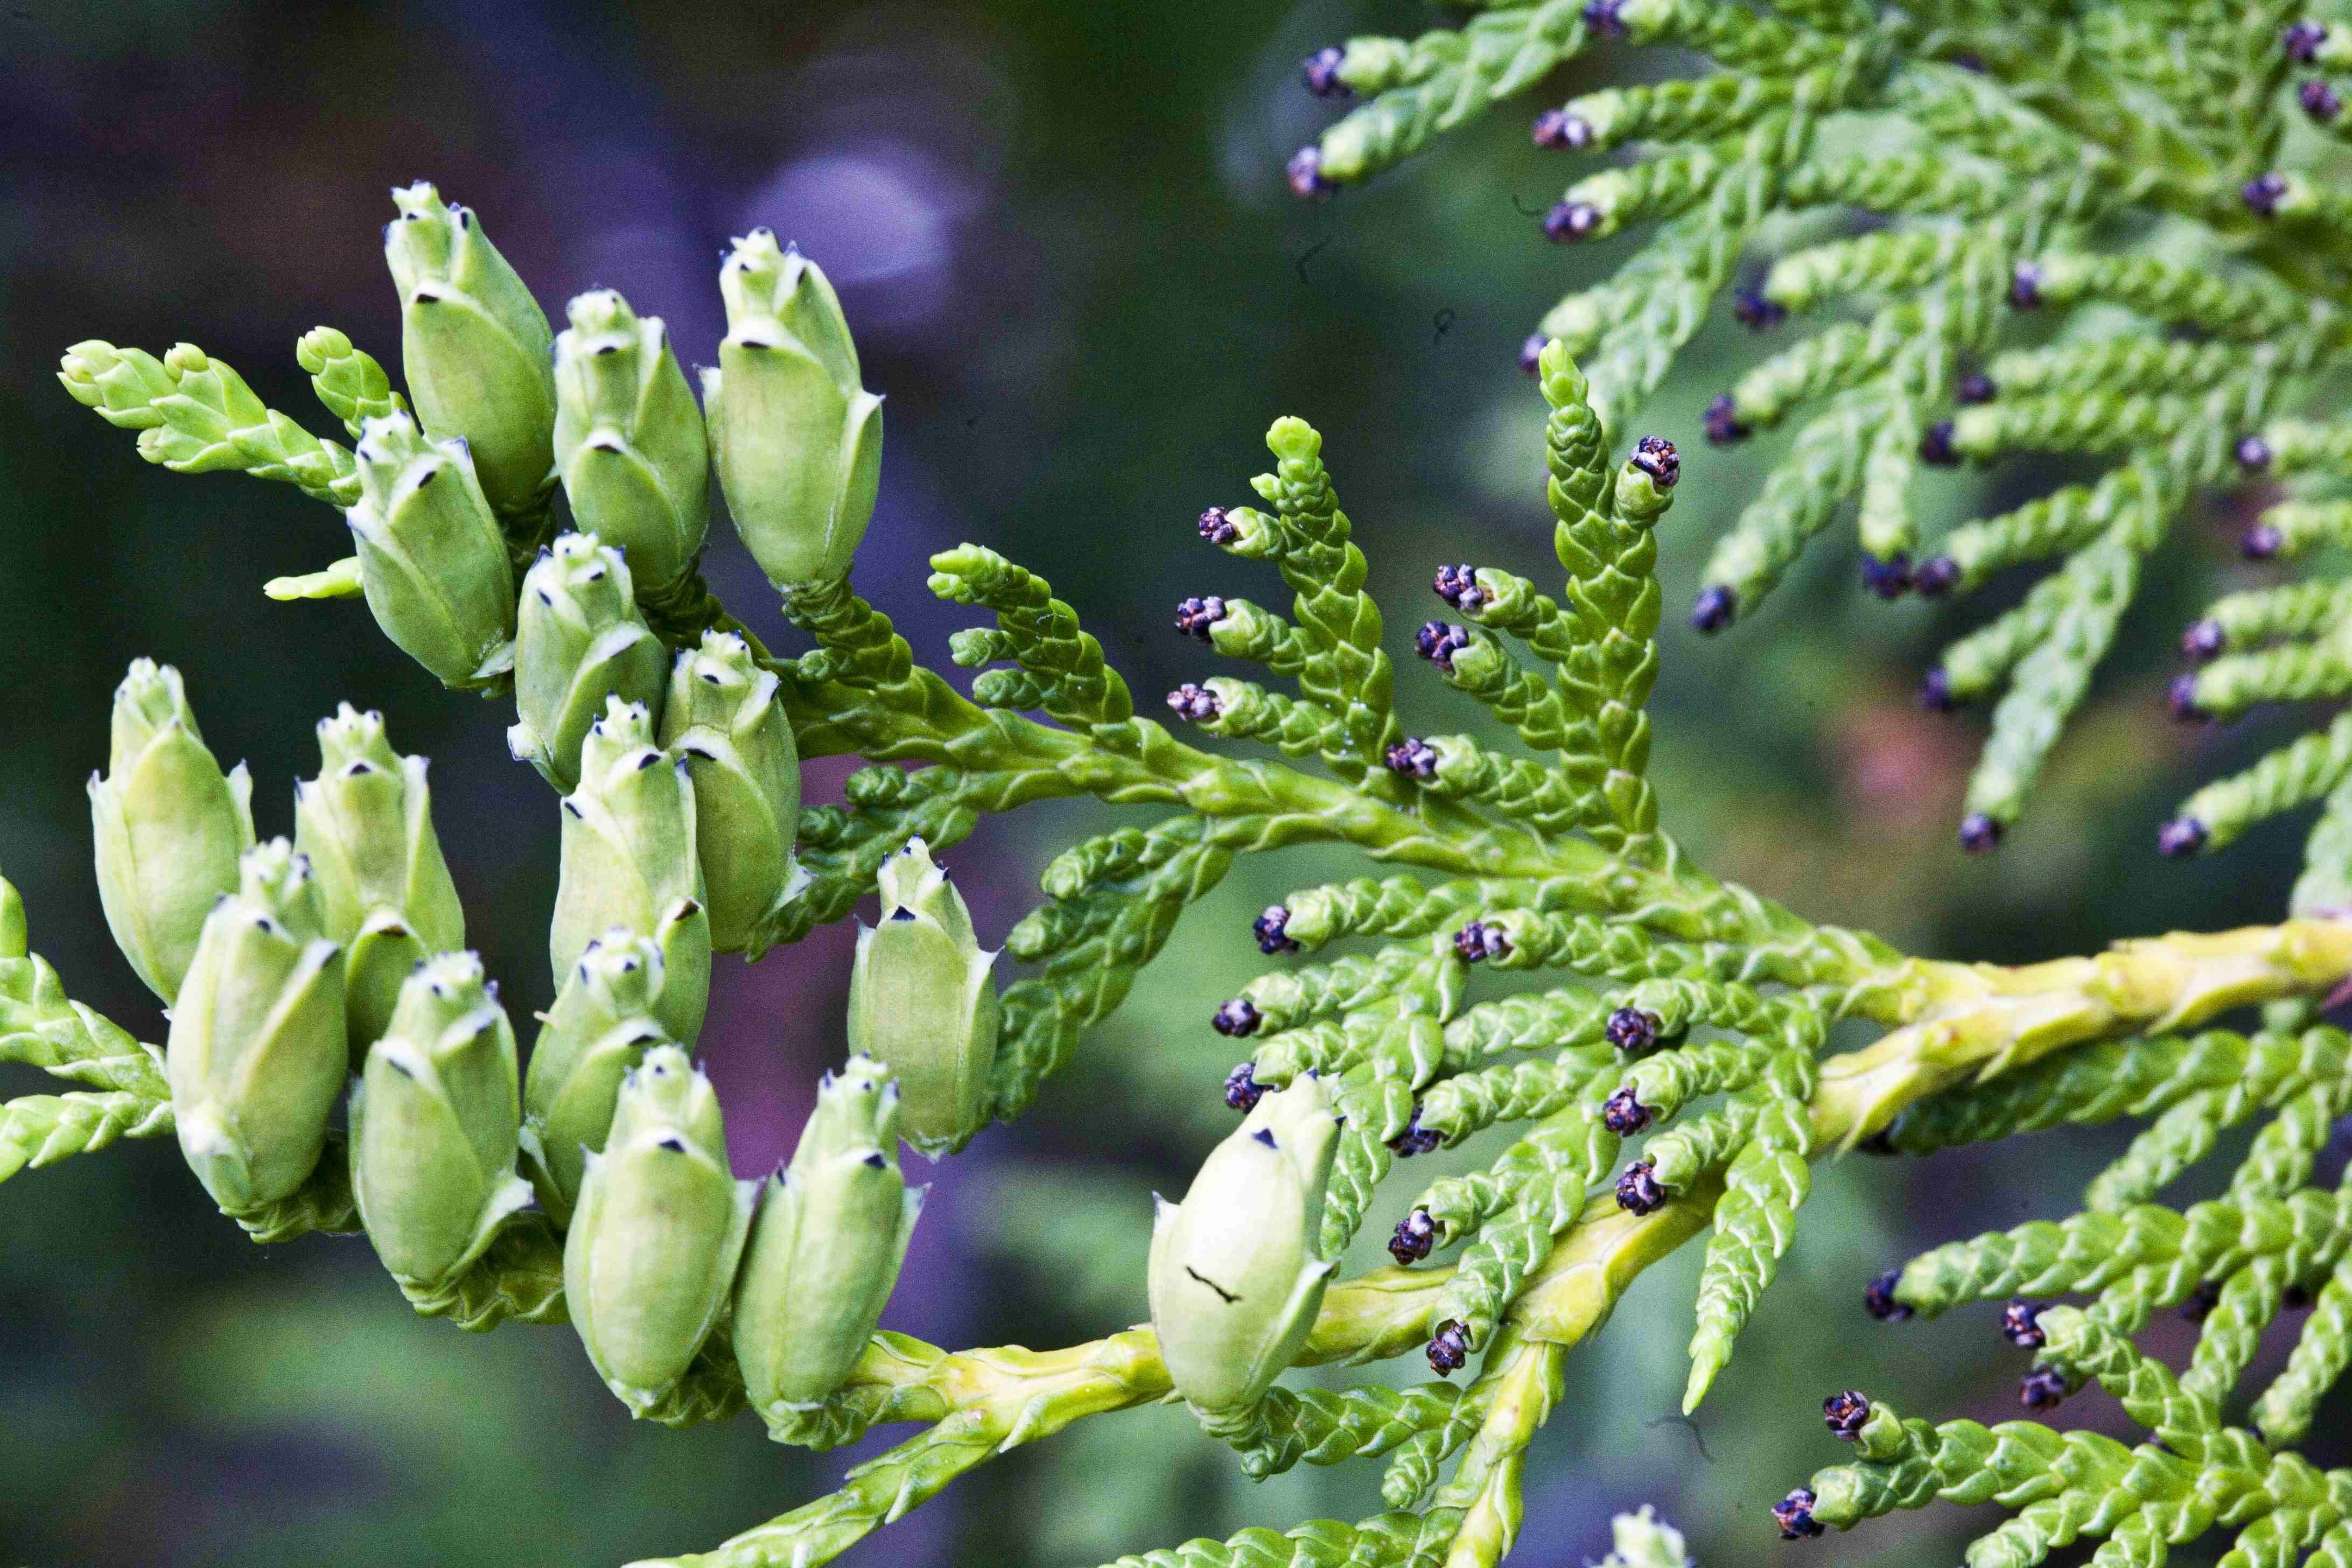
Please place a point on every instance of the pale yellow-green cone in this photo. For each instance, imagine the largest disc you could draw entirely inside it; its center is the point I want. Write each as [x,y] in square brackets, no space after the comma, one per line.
[432,561]
[660,1227]
[630,444]
[797,441]
[256,1054]
[921,1000]
[169,826]
[1236,1279]
[475,347]
[600,1028]
[825,1249]
[629,860]
[434,1120]
[579,639]
[366,824]
[724,718]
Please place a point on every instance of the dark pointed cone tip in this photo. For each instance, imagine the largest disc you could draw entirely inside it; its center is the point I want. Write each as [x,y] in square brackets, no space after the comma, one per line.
[1195,616]
[1413,758]
[1980,834]
[1794,1515]
[2319,100]
[2260,543]
[1322,71]
[1271,928]
[1936,692]
[1974,388]
[1449,1348]
[1479,941]
[2263,194]
[1531,353]
[1754,311]
[1721,421]
[1935,448]
[1878,1298]
[1305,172]
[1655,456]
[1844,1414]
[1557,128]
[2181,698]
[1238,1019]
[2020,1324]
[2042,1389]
[1415,1234]
[1714,608]
[2203,640]
[2025,286]
[1623,1114]
[1890,578]
[2253,454]
[1242,1090]
[1639,1191]
[1603,18]
[1458,586]
[1415,1138]
[1936,577]
[2303,41]
[1215,529]
[1571,221]
[2202,1302]
[2180,839]
[1197,703]
[1633,1029]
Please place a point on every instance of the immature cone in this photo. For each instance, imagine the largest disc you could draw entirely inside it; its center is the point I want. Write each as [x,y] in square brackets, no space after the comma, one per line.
[169,826]
[432,561]
[660,1226]
[256,1052]
[629,439]
[825,1252]
[474,345]
[1235,1278]
[433,1125]
[579,639]
[797,441]
[365,823]
[628,861]
[600,1028]
[922,1001]
[725,718]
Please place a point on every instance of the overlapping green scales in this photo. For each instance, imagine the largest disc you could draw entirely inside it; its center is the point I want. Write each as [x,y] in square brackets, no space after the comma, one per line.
[1646,329]
[1674,110]
[2125,363]
[38,1130]
[2309,525]
[1888,261]
[1513,1091]
[2048,683]
[2248,1302]
[2064,520]
[1076,686]
[1530,703]
[2326,885]
[1755,1221]
[2296,445]
[1916,184]
[2293,672]
[1798,499]
[1671,1080]
[1375,1108]
[1289,998]
[348,379]
[1396,1036]
[1384,1541]
[1429,85]
[2245,306]
[1731,36]
[2284,1412]
[1293,726]
[1326,1426]
[2094,421]
[2290,610]
[1395,906]
[1687,1150]
[1547,1174]
[2301,771]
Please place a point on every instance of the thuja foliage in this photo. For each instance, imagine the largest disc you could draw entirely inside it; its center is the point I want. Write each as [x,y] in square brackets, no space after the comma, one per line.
[2110,232]
[1538,966]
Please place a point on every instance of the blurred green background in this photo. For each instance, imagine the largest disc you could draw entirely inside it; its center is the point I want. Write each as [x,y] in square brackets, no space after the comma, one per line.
[1063,239]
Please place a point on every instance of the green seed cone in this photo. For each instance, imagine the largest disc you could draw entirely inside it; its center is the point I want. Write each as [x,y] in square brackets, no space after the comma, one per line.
[257,1053]
[365,823]
[660,1225]
[1236,1279]
[724,718]
[579,639]
[832,1231]
[169,827]
[600,1028]
[797,441]
[629,860]
[433,563]
[433,1125]
[630,443]
[922,1001]
[475,347]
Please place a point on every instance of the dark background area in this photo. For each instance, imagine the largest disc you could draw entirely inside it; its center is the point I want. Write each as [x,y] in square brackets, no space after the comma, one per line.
[1063,240]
